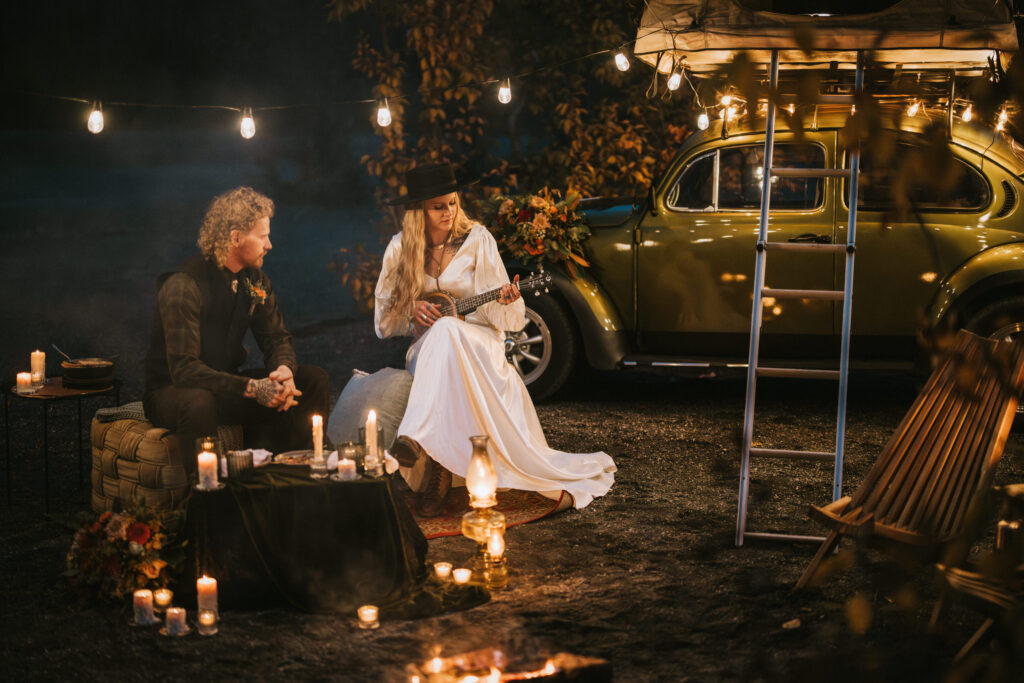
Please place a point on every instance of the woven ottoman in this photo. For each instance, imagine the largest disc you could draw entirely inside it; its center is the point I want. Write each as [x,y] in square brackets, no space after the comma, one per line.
[132,460]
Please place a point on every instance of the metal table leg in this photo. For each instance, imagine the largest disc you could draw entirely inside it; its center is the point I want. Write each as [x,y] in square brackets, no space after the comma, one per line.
[79,402]
[46,462]
[7,447]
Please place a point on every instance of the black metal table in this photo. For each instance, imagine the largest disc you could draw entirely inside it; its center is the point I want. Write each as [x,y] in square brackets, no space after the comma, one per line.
[53,390]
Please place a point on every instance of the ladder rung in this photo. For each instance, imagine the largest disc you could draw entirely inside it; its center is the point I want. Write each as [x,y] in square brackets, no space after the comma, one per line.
[803,246]
[831,294]
[766,536]
[810,172]
[794,455]
[799,373]
[836,99]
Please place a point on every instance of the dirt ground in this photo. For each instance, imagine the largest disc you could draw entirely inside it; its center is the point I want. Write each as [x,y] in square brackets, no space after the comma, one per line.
[647,577]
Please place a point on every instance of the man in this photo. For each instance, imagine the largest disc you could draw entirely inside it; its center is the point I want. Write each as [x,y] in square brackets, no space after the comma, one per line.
[204,308]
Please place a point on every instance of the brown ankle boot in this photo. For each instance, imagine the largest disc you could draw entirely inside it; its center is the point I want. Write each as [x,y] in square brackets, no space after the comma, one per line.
[407,451]
[437,483]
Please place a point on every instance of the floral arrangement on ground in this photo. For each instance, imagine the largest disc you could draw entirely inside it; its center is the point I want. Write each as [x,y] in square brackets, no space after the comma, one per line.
[533,228]
[121,552]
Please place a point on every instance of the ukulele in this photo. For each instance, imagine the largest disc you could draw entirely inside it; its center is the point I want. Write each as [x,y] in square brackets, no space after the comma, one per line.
[449,305]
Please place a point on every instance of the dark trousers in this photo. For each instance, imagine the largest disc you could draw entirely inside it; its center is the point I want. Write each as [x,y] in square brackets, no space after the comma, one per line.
[192,413]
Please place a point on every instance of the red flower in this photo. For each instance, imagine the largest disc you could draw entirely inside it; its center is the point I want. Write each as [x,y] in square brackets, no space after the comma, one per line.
[104,517]
[524,216]
[139,533]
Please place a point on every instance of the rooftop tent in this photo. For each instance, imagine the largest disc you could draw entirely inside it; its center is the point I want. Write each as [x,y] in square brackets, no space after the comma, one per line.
[917,34]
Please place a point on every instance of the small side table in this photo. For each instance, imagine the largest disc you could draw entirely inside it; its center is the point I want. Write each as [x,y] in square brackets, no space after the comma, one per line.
[53,390]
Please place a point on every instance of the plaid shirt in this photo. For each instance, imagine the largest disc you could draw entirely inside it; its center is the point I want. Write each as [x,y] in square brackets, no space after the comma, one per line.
[179,302]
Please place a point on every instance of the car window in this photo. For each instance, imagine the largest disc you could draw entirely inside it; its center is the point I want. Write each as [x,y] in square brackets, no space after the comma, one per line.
[970,192]
[695,188]
[742,168]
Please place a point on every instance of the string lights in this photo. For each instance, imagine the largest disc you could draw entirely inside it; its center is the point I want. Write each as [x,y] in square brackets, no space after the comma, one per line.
[968,114]
[621,61]
[913,108]
[248,127]
[95,122]
[383,113]
[703,121]
[505,91]
[675,79]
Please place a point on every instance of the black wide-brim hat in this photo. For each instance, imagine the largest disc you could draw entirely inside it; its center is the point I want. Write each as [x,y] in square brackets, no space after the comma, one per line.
[427,182]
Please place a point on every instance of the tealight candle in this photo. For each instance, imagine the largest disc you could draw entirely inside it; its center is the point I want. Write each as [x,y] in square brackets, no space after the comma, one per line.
[206,593]
[462,575]
[318,436]
[162,598]
[207,471]
[346,469]
[142,601]
[174,624]
[443,570]
[38,361]
[368,616]
[207,622]
[24,383]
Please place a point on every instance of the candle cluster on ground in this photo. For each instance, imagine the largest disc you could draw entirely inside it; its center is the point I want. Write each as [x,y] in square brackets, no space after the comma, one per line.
[147,604]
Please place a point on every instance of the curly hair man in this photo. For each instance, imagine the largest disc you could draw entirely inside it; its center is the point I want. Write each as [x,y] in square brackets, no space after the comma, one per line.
[205,306]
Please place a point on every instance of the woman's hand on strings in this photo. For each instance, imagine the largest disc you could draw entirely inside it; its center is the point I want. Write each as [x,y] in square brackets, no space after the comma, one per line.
[424,314]
[510,292]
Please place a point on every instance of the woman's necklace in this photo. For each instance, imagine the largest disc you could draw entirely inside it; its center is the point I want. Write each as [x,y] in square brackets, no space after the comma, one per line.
[436,253]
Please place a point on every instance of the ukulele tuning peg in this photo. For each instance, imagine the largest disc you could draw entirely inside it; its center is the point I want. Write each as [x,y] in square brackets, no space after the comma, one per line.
[536,292]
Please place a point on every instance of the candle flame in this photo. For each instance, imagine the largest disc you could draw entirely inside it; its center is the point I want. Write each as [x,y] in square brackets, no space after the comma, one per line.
[495,544]
[318,420]
[434,666]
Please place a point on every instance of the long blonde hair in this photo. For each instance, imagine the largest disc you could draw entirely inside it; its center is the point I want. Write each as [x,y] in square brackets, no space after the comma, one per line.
[407,278]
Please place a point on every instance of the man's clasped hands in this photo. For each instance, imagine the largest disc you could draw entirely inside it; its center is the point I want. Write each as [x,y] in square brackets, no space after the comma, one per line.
[277,390]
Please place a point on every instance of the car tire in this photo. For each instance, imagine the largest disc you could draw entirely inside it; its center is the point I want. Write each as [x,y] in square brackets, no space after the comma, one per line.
[544,351]
[1001,320]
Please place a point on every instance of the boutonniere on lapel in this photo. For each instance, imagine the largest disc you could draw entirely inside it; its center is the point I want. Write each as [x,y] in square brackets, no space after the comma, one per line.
[257,294]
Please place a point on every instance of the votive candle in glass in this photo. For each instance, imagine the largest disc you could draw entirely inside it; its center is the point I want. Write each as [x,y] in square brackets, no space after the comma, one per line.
[207,471]
[24,380]
[162,598]
[206,593]
[142,602]
[443,571]
[368,616]
[38,361]
[462,575]
[174,624]
[346,469]
[207,622]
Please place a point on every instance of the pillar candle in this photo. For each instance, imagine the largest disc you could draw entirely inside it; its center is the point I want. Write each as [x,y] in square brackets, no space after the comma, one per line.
[24,383]
[347,469]
[318,436]
[207,470]
[206,593]
[371,435]
[38,359]
[142,601]
[175,622]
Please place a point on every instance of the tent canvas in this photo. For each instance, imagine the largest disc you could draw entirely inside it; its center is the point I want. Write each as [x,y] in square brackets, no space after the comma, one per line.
[915,34]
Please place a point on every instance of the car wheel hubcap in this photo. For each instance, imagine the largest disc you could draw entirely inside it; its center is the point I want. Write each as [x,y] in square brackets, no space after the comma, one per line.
[529,349]
[1008,332]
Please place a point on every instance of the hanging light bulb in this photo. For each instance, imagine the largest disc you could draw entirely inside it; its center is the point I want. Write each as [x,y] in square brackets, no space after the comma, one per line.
[505,91]
[675,80]
[1003,116]
[95,123]
[621,61]
[913,108]
[968,114]
[726,100]
[791,108]
[702,121]
[248,127]
[383,113]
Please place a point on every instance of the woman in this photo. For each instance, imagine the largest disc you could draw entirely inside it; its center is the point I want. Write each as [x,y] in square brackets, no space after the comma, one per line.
[462,383]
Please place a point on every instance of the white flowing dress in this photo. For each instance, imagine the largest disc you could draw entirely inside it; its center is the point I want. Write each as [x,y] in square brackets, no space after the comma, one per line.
[463,385]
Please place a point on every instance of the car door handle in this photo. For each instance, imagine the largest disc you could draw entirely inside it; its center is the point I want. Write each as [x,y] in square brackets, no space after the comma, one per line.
[811,237]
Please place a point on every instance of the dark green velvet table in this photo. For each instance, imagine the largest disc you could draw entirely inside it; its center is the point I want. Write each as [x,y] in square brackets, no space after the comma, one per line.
[276,537]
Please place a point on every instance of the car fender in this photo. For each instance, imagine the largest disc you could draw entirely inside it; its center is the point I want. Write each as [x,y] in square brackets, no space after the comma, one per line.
[1000,267]
[605,340]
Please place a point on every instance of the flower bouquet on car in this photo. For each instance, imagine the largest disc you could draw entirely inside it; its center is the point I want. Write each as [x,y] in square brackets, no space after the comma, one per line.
[540,227]
[121,552]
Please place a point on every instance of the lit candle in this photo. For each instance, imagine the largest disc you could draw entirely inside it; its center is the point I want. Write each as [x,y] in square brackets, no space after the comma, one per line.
[346,469]
[443,570]
[318,436]
[207,622]
[142,601]
[368,616]
[162,598]
[462,575]
[434,666]
[371,436]
[496,544]
[38,359]
[24,383]
[207,470]
[206,593]
[174,625]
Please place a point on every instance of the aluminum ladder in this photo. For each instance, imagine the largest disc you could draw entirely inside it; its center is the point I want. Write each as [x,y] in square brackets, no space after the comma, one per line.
[760,291]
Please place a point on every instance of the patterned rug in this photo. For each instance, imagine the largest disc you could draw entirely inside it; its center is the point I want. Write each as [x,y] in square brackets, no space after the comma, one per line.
[519,507]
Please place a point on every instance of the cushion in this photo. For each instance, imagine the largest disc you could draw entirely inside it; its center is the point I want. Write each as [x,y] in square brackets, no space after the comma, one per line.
[385,391]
